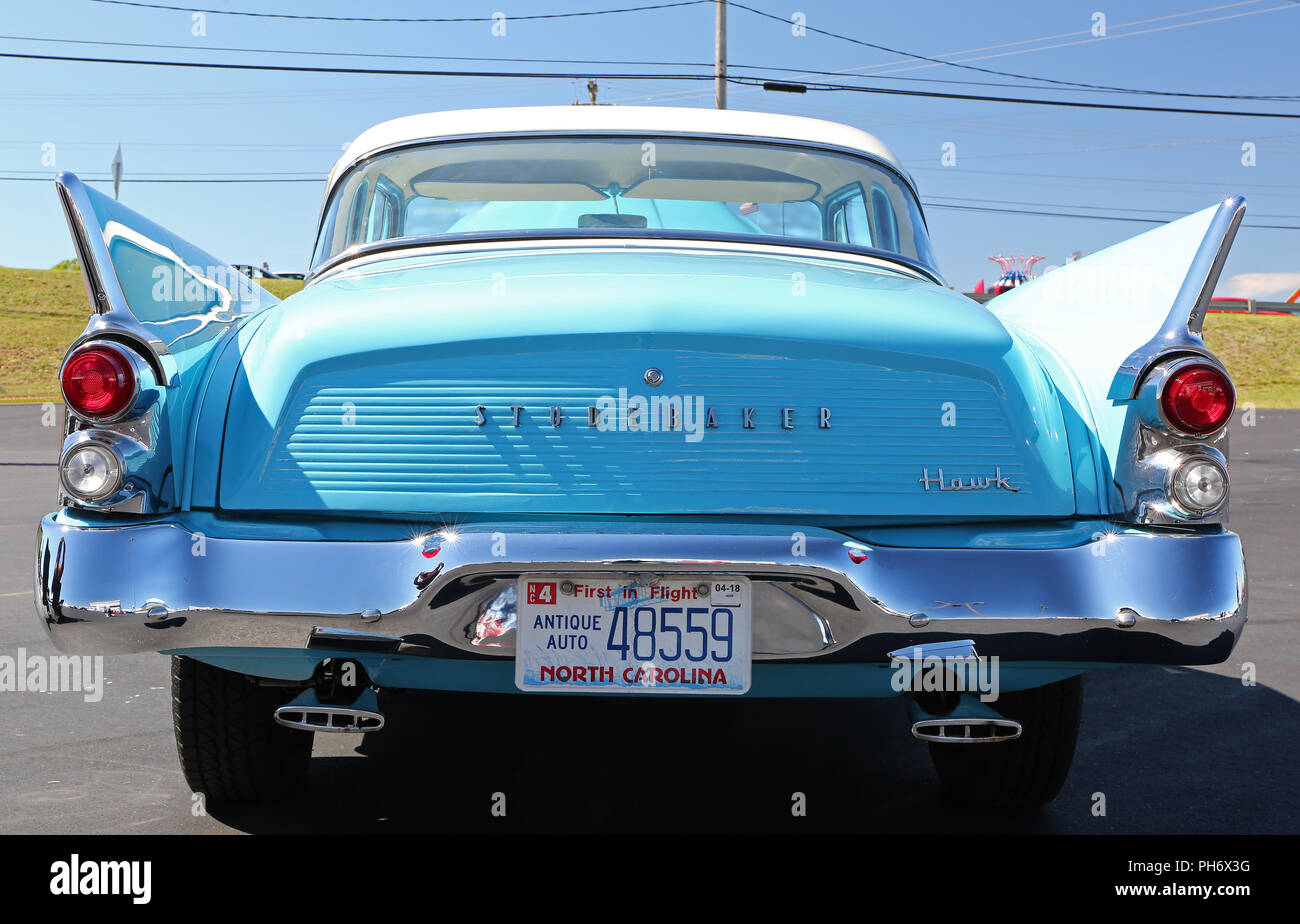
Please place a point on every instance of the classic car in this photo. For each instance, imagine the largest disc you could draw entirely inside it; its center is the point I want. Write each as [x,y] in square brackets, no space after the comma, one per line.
[632,402]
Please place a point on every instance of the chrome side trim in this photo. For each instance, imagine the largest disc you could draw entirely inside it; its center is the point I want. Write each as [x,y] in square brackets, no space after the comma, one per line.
[457,598]
[1181,330]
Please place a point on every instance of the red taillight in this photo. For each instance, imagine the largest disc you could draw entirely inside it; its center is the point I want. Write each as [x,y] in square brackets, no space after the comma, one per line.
[1197,400]
[98,383]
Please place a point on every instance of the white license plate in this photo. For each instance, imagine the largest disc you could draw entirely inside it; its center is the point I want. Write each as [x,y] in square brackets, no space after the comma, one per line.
[609,633]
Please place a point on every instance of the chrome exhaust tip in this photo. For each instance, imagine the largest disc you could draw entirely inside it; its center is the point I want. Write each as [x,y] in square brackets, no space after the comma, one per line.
[307,713]
[966,730]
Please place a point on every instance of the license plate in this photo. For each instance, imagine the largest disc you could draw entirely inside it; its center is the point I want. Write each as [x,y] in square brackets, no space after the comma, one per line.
[620,634]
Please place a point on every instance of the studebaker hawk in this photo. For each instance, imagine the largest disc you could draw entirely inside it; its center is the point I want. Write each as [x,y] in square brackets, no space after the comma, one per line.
[632,402]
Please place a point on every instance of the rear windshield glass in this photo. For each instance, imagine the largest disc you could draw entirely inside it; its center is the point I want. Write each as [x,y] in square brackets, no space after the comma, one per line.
[624,185]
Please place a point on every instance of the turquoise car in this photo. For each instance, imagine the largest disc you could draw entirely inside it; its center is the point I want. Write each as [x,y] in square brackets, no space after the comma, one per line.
[638,402]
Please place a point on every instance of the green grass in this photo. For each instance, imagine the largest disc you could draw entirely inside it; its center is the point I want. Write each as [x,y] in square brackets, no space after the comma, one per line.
[281,288]
[1263,354]
[42,311]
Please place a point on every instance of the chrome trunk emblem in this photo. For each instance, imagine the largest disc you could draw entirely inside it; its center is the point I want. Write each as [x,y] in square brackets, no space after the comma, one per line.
[998,480]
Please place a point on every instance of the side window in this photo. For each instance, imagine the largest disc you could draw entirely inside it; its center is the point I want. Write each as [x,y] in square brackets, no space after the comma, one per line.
[357,214]
[385,211]
[886,222]
[855,216]
[847,220]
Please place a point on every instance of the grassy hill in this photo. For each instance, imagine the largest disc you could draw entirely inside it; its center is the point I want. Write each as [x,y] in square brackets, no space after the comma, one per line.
[41,311]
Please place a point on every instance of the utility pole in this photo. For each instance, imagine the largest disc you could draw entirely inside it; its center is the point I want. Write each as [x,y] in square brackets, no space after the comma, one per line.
[720,57]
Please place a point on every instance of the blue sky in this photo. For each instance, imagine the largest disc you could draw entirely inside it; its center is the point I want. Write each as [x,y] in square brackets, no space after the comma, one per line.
[187,121]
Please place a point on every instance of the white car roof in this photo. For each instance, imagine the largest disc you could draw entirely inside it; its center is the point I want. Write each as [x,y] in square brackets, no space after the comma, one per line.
[648,119]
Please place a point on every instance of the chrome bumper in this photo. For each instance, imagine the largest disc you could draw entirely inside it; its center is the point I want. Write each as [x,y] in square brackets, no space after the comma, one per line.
[1132,597]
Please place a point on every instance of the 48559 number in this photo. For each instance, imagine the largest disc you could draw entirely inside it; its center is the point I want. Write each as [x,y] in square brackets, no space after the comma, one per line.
[670,633]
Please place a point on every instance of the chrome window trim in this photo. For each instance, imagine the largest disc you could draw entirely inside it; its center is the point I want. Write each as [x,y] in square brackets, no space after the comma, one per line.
[902,175]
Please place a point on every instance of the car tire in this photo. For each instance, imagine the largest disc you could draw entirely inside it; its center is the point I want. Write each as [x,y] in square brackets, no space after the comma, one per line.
[231,748]
[1024,773]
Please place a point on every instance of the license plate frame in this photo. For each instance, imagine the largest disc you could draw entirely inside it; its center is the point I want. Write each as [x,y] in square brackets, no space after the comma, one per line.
[588,633]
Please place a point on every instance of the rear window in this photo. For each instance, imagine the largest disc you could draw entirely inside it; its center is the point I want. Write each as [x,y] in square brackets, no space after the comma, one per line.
[620,186]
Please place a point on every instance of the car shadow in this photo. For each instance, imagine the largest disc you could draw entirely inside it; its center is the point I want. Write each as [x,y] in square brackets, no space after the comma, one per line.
[1161,750]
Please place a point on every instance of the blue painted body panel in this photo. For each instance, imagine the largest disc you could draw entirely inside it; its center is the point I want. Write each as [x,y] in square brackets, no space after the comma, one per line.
[360,393]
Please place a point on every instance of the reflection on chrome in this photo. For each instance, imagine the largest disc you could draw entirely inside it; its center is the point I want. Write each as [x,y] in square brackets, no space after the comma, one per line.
[495,618]
[1043,604]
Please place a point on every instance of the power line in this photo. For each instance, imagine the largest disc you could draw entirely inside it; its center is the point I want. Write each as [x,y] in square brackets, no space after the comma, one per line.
[1054,205]
[607,61]
[1112,34]
[883,70]
[740,80]
[397,19]
[682,3]
[1091,179]
[366,54]
[1074,104]
[986,70]
[1046,214]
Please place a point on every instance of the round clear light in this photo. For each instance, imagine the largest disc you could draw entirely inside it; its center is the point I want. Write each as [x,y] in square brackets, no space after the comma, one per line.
[91,472]
[1200,485]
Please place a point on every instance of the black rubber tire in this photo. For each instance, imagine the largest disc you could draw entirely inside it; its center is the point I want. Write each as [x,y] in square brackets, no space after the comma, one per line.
[1024,773]
[231,748]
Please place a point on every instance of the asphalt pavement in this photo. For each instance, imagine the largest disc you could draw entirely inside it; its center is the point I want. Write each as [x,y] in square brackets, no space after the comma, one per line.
[1162,749]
